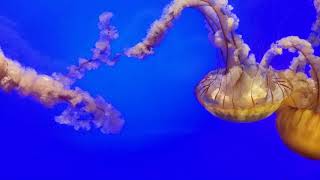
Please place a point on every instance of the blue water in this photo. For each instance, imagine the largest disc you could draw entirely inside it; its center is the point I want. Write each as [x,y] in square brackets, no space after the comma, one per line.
[168,134]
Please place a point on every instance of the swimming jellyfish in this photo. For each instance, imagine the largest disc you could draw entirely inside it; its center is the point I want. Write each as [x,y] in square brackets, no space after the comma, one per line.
[298,119]
[243,91]
[83,110]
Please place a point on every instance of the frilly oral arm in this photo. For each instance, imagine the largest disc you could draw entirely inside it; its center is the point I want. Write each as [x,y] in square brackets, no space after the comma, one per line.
[83,111]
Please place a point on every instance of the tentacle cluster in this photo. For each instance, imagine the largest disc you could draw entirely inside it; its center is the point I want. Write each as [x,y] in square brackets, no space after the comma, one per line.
[246,90]
[83,111]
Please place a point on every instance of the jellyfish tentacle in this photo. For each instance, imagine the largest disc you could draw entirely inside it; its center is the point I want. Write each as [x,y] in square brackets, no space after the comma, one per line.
[294,43]
[219,33]
[160,27]
[298,63]
[101,53]
[48,91]
[223,25]
[291,43]
[313,61]
[219,17]
[314,37]
[219,24]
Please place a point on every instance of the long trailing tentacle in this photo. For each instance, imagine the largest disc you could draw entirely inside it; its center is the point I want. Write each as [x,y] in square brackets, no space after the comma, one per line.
[291,43]
[314,37]
[298,63]
[101,53]
[83,110]
[160,27]
[306,55]
[222,23]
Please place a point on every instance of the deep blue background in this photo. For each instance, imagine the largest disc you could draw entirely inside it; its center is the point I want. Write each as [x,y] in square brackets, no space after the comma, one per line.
[168,135]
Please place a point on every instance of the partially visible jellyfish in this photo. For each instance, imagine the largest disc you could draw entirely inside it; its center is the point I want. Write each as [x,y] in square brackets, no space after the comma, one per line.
[243,91]
[298,119]
[83,111]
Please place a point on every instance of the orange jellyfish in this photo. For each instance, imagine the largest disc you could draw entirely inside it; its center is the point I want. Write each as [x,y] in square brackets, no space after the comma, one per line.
[298,118]
[244,91]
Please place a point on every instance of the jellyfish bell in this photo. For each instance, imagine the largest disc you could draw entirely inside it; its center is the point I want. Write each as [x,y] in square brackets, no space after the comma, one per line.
[300,130]
[297,120]
[243,93]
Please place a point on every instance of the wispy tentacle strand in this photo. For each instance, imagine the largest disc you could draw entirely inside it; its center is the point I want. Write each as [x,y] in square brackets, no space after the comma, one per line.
[101,53]
[222,25]
[160,27]
[221,20]
[314,37]
[292,43]
[83,111]
[306,55]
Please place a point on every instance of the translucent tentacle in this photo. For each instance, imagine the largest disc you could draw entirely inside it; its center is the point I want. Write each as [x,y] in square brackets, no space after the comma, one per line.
[83,110]
[160,27]
[305,49]
[314,37]
[298,63]
[101,53]
[291,43]
[222,26]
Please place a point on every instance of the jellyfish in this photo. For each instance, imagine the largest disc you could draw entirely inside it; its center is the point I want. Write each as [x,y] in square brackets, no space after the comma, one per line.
[298,118]
[83,111]
[243,91]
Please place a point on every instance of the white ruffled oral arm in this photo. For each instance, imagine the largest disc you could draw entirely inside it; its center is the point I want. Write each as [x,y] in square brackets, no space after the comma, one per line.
[83,111]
